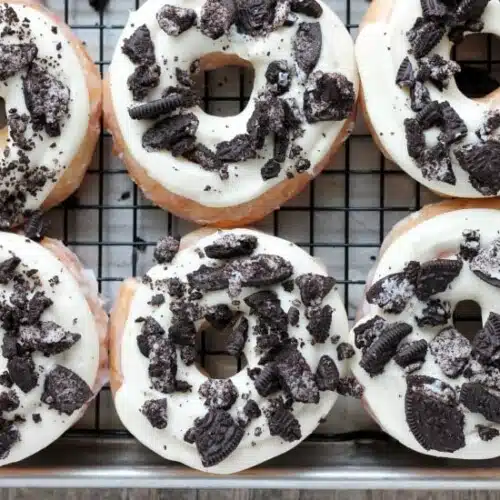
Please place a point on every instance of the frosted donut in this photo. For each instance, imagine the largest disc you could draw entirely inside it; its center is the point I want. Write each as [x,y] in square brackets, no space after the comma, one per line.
[418,116]
[52,94]
[283,313]
[230,170]
[426,384]
[53,343]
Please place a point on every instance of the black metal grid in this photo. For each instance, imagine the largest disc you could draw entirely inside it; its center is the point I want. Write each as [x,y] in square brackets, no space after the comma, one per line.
[379,209]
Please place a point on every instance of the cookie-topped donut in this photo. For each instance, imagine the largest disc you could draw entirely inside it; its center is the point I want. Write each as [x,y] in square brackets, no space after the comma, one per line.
[53,343]
[52,94]
[235,169]
[418,116]
[283,314]
[428,385]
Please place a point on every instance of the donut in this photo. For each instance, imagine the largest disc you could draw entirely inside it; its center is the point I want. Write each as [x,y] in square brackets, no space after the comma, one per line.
[418,116]
[300,111]
[431,387]
[280,310]
[53,343]
[52,94]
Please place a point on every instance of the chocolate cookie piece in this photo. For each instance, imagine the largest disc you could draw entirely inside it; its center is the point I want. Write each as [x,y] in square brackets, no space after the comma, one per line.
[486,342]
[328,96]
[270,170]
[144,78]
[309,8]
[175,287]
[327,374]
[435,164]
[216,436]
[411,353]
[65,391]
[486,433]
[47,100]
[391,293]
[267,306]
[15,57]
[438,70]
[166,249]
[255,17]
[217,16]
[486,264]
[231,245]
[320,323]
[314,288]
[478,399]
[350,387]
[296,377]
[435,313]
[252,410]
[9,435]
[415,138]
[366,333]
[384,347]
[37,305]
[260,270]
[139,47]
[491,124]
[424,36]
[419,95]
[405,75]
[432,414]
[175,20]
[281,143]
[267,381]
[46,337]
[9,346]
[430,116]
[293,316]
[307,45]
[279,76]
[482,163]
[220,394]
[238,337]
[436,276]
[451,351]
[454,128]
[434,10]
[9,401]
[281,421]
[258,124]
[155,109]
[219,316]
[22,372]
[5,380]
[206,158]
[469,10]
[155,410]
[470,245]
[182,330]
[345,351]
[163,366]
[209,279]
[165,133]
[239,148]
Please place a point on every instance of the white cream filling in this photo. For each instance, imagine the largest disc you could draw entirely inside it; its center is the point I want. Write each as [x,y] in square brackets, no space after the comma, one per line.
[183,409]
[245,182]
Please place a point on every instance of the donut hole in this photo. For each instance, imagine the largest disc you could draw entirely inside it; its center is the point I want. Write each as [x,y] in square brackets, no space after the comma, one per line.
[478,77]
[467,318]
[213,360]
[224,84]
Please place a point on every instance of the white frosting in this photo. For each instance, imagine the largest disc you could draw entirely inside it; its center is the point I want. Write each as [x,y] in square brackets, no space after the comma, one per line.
[380,49]
[182,409]
[69,71]
[245,182]
[69,310]
[385,393]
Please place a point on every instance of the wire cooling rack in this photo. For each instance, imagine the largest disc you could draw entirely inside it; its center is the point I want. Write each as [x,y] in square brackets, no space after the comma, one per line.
[341,218]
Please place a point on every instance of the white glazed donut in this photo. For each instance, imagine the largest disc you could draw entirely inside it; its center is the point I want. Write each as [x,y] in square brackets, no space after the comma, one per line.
[418,116]
[54,344]
[230,170]
[295,364]
[425,383]
[52,94]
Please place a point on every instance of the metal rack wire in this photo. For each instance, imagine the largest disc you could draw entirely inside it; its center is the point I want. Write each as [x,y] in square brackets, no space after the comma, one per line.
[341,218]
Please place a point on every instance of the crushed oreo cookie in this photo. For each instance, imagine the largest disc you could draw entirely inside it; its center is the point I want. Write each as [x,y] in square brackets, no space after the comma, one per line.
[163,366]
[479,399]
[345,351]
[270,170]
[424,36]
[175,20]
[405,76]
[486,264]
[219,316]
[438,70]
[220,394]
[435,276]
[328,96]
[309,8]
[319,324]
[255,17]
[9,401]
[434,313]
[188,355]
[384,347]
[155,410]
[239,148]
[415,138]
[281,421]
[419,95]
[238,337]
[252,410]
[216,436]
[155,109]
[327,374]
[231,245]
[143,79]
[366,333]
[206,158]
[46,337]
[209,279]
[217,16]
[279,76]
[486,342]
[15,57]
[350,387]
[182,330]
[65,391]
[267,381]
[435,164]
[34,226]
[470,245]
[451,351]
[307,46]
[139,46]
[166,249]
[433,415]
[411,353]
[9,435]
[22,372]
[293,316]
[486,433]
[314,288]
[165,133]
[454,128]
